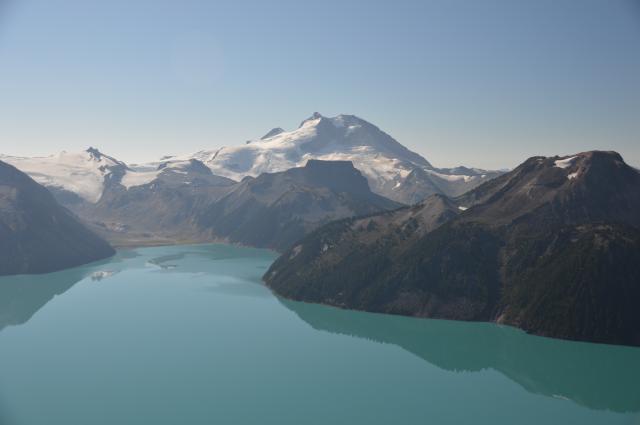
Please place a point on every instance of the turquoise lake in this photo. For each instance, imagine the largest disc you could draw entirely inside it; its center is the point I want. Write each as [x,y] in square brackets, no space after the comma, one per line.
[188,335]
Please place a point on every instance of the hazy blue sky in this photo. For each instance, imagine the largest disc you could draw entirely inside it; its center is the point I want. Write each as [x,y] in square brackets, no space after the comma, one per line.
[478,82]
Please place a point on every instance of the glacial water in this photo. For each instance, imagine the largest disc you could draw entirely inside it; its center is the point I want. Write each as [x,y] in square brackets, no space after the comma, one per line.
[188,335]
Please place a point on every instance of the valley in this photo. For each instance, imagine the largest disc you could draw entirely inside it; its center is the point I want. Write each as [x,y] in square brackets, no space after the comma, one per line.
[552,246]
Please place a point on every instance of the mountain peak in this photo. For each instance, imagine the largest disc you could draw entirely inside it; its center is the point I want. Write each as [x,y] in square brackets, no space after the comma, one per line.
[575,162]
[580,164]
[339,121]
[98,156]
[593,185]
[384,162]
[554,241]
[94,152]
[187,166]
[315,117]
[39,235]
[602,156]
[272,132]
[336,175]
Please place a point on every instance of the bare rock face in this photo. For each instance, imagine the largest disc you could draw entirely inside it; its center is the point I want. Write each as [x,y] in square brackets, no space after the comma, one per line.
[274,210]
[552,247]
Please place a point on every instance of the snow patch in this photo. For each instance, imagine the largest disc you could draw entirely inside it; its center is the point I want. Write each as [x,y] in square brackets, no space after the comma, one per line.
[82,173]
[138,178]
[379,158]
[295,251]
[142,175]
[353,140]
[565,163]
[452,177]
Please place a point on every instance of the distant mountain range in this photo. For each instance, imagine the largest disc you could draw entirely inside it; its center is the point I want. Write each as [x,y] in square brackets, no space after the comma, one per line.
[276,209]
[248,194]
[391,169]
[186,203]
[552,247]
[37,235]
[159,211]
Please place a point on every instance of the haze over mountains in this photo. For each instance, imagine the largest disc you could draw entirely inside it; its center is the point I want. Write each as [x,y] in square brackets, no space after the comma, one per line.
[391,169]
[276,209]
[189,204]
[180,200]
[37,235]
[250,194]
[552,247]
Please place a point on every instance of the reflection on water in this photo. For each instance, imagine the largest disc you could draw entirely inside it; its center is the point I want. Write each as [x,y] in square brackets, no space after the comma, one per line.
[595,375]
[22,296]
[225,283]
[102,274]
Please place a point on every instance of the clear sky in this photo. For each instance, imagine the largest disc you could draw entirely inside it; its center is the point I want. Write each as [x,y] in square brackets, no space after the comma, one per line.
[478,82]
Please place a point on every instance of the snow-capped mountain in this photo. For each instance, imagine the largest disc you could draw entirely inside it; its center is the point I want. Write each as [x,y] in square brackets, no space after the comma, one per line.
[38,235]
[88,173]
[391,169]
[182,200]
[82,173]
[551,247]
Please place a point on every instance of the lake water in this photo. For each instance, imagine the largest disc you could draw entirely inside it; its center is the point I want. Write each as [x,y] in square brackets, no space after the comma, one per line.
[188,335]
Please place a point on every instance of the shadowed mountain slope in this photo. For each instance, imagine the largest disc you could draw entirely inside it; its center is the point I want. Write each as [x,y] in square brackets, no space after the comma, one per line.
[552,247]
[37,235]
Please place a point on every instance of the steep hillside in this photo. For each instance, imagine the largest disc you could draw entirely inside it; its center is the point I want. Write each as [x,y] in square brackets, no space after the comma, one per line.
[274,210]
[552,247]
[391,169]
[160,210]
[182,201]
[72,175]
[37,235]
